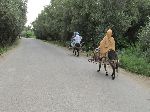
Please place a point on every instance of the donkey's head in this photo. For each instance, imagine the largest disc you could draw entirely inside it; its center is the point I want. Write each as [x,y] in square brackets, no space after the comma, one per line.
[95,56]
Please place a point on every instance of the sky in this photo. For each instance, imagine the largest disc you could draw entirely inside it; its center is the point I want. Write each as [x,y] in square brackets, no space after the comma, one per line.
[34,8]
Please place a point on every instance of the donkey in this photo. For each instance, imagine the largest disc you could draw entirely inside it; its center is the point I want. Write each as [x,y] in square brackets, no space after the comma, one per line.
[111,59]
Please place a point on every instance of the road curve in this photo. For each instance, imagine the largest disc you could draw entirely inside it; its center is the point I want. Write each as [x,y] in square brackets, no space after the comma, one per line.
[40,77]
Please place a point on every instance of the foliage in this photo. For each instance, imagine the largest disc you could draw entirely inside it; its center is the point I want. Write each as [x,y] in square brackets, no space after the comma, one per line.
[91,18]
[144,12]
[131,60]
[144,41]
[28,32]
[12,20]
[9,47]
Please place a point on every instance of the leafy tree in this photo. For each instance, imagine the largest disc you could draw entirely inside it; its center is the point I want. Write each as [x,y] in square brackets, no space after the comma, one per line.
[28,32]
[144,40]
[91,19]
[12,20]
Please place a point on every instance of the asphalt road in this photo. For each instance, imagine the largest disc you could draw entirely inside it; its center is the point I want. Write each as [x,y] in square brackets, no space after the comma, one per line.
[40,77]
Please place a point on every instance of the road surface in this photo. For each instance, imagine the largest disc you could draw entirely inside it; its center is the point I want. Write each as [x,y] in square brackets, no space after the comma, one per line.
[40,77]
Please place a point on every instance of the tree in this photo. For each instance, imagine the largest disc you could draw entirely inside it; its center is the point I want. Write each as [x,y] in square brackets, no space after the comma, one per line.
[12,20]
[91,19]
[144,40]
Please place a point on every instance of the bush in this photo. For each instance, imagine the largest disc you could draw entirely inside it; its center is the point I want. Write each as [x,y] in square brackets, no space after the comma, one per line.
[29,34]
[12,20]
[144,41]
[132,60]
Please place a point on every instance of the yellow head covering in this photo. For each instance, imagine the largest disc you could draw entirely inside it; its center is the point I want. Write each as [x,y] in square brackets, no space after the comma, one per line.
[109,33]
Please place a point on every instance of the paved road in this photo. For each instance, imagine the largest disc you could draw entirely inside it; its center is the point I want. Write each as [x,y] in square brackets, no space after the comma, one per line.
[40,77]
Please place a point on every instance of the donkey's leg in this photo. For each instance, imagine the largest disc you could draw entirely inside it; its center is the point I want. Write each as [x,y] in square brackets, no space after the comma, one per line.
[99,67]
[105,69]
[73,50]
[78,51]
[112,64]
[113,74]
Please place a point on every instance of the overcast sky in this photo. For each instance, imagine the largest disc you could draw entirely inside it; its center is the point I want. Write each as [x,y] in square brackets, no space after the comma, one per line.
[34,8]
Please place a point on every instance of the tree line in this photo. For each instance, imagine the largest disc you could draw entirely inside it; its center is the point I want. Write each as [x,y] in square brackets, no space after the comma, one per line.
[12,20]
[91,18]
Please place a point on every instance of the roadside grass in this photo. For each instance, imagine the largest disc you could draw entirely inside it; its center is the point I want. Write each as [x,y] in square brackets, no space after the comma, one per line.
[59,43]
[133,61]
[8,47]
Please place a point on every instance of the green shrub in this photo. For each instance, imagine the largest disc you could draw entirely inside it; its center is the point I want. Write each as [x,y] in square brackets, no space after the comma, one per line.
[12,20]
[29,34]
[144,41]
[132,60]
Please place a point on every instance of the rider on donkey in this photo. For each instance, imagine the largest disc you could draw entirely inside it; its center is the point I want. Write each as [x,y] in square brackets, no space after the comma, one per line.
[77,41]
[107,43]
[72,44]
[106,54]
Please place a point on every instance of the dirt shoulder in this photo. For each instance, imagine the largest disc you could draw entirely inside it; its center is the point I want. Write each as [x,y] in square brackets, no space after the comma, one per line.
[142,80]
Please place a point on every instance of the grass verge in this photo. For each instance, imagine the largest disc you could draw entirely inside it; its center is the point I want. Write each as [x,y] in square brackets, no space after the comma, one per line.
[8,47]
[133,61]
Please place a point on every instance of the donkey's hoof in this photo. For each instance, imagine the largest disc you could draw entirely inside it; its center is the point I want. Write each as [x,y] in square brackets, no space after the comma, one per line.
[98,70]
[106,74]
[113,77]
